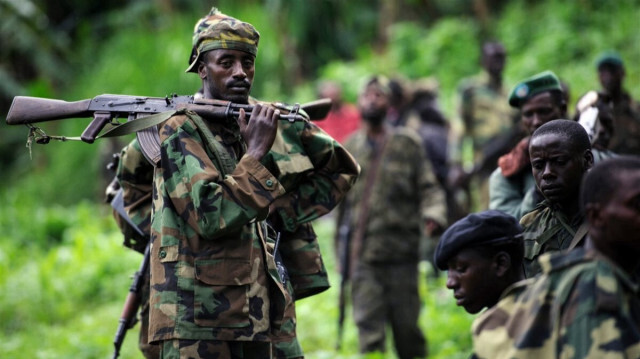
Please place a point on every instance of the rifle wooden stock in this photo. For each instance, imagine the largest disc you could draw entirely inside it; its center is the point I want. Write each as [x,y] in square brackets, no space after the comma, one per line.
[26,110]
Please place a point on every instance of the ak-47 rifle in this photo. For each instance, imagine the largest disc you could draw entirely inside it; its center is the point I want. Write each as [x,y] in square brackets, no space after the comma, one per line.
[131,304]
[108,109]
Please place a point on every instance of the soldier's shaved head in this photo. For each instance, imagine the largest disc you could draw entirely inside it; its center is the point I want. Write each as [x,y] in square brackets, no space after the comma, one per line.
[604,178]
[572,131]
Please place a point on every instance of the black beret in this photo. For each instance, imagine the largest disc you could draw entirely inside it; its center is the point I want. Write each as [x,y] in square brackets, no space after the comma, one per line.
[490,227]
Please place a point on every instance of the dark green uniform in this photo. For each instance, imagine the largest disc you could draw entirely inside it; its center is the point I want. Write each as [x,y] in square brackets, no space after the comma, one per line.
[298,245]
[581,306]
[390,218]
[547,229]
[626,126]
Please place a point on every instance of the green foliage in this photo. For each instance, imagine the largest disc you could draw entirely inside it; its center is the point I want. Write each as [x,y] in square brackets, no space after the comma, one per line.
[60,269]
[567,37]
[64,300]
[63,271]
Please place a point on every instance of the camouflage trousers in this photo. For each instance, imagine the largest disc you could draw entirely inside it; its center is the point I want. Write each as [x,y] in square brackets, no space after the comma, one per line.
[388,294]
[214,349]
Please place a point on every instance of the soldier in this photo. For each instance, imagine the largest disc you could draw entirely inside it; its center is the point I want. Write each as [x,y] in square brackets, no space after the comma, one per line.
[560,153]
[298,247]
[482,254]
[486,121]
[585,303]
[397,200]
[215,284]
[511,186]
[626,111]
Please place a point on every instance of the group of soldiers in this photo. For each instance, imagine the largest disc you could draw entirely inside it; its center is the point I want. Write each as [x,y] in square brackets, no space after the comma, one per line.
[227,212]
[554,258]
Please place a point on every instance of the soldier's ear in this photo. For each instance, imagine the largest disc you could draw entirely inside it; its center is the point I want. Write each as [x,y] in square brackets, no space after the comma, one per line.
[588,160]
[502,263]
[594,215]
[202,71]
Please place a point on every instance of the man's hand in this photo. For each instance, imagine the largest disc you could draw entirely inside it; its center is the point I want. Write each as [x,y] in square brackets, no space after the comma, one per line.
[260,131]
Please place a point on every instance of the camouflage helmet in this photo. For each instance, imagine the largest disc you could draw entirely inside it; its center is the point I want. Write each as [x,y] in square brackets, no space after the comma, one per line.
[220,31]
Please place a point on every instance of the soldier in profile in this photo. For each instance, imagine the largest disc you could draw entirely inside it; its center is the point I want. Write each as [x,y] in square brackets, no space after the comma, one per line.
[482,254]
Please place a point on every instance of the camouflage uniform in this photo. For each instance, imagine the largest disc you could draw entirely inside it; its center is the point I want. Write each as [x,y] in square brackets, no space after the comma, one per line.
[384,276]
[485,116]
[581,306]
[626,126]
[485,112]
[546,229]
[298,151]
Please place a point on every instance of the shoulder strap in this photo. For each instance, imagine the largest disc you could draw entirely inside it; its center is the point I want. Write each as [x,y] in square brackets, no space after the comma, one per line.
[226,164]
[361,222]
[580,233]
[147,133]
[138,124]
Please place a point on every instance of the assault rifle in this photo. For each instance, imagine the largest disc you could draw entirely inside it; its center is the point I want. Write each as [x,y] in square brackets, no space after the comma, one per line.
[131,304]
[109,109]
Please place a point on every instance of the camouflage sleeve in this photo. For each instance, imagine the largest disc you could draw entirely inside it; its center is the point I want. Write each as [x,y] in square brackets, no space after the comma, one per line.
[578,308]
[135,176]
[597,320]
[213,205]
[327,172]
[496,330]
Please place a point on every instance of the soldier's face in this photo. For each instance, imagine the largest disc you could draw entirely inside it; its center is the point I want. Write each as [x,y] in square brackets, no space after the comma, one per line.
[610,77]
[473,279]
[227,75]
[558,167]
[373,104]
[494,58]
[539,110]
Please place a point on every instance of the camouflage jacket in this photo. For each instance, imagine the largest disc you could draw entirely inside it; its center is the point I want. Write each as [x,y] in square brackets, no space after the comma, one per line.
[405,193]
[581,306]
[484,114]
[626,126]
[546,229]
[213,274]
